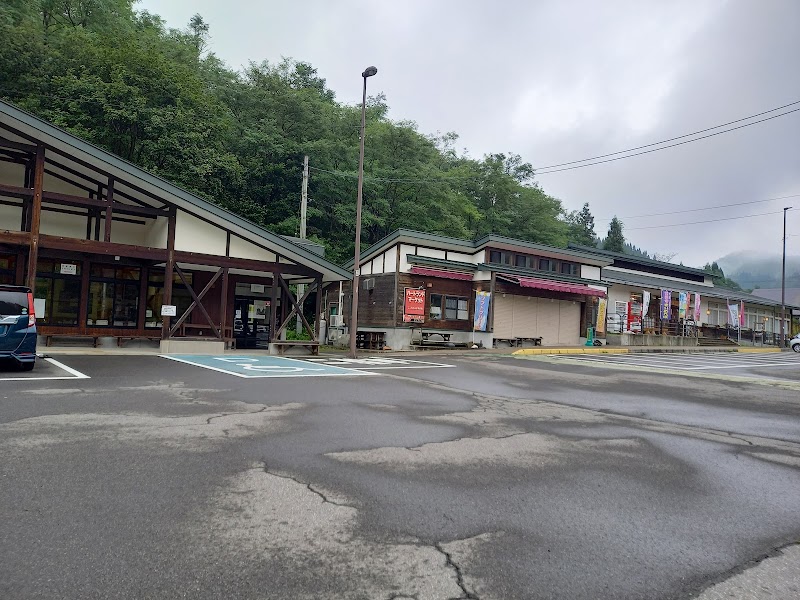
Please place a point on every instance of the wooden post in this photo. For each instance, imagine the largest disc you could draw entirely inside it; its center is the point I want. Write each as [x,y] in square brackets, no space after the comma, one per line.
[83,310]
[273,306]
[168,271]
[109,209]
[36,215]
[223,305]
[26,202]
[318,312]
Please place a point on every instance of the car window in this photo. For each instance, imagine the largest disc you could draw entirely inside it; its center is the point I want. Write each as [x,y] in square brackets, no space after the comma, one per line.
[13,303]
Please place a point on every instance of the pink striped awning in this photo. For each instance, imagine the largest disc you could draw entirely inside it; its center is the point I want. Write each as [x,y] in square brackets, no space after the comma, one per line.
[555,286]
[442,274]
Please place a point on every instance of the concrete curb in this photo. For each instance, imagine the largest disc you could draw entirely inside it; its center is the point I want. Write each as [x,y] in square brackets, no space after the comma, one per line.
[642,350]
[592,350]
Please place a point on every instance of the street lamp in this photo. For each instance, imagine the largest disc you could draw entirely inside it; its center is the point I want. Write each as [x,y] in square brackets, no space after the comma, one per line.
[783,282]
[368,72]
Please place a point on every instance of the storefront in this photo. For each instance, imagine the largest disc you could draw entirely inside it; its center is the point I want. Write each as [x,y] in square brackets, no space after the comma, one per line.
[113,251]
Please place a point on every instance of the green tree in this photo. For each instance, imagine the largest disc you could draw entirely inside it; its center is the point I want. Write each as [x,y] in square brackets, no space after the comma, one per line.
[580,226]
[615,240]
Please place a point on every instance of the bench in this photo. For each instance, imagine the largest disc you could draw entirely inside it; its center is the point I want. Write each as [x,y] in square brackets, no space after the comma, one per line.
[122,340]
[311,345]
[48,340]
[434,337]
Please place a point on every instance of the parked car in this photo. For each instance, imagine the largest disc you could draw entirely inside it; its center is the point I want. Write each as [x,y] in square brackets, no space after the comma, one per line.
[17,326]
[795,343]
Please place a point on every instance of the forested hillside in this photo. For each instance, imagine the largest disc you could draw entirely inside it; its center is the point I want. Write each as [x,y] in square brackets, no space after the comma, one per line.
[121,79]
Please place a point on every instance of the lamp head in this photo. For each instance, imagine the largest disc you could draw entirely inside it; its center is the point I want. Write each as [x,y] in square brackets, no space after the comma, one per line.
[369,72]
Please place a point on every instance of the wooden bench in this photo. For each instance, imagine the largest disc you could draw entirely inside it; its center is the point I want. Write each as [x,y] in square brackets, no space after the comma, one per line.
[370,340]
[122,340]
[517,342]
[48,340]
[311,345]
[433,337]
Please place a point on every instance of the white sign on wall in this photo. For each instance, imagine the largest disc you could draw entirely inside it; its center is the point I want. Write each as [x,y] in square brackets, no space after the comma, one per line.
[67,269]
[169,310]
[257,288]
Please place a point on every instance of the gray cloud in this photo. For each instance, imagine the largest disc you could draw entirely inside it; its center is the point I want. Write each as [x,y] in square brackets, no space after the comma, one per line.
[556,81]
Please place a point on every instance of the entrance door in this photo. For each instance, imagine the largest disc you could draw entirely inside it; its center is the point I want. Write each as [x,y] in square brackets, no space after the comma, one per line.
[251,322]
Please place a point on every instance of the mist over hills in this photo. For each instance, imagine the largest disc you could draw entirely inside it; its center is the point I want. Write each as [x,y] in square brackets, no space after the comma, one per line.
[760,270]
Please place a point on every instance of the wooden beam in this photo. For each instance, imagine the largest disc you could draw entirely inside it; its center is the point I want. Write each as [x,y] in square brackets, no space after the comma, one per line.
[7,143]
[109,209]
[15,238]
[196,302]
[55,242]
[36,216]
[83,310]
[168,270]
[223,306]
[15,191]
[296,310]
[273,308]
[196,258]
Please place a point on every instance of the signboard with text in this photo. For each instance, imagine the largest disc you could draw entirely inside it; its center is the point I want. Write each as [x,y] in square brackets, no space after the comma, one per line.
[482,300]
[414,306]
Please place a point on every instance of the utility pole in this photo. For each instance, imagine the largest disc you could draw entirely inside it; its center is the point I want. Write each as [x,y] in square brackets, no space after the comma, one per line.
[301,288]
[783,282]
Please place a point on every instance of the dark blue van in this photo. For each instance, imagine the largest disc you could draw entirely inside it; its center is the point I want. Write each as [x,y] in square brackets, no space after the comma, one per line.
[17,326]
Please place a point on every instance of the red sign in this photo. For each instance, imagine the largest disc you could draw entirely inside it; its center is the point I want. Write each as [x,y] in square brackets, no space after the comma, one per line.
[414,306]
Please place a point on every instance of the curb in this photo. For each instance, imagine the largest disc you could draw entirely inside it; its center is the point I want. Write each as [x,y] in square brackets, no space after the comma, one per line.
[604,350]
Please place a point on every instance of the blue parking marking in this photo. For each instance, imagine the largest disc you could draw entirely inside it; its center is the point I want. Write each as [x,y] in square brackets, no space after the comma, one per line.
[262,366]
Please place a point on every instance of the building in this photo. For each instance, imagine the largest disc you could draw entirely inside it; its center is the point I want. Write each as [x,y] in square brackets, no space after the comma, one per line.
[631,278]
[111,250]
[419,288]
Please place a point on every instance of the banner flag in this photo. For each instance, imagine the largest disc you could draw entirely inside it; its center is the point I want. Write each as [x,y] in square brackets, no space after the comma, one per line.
[645,303]
[733,311]
[697,307]
[665,309]
[600,326]
[683,303]
[741,314]
[482,300]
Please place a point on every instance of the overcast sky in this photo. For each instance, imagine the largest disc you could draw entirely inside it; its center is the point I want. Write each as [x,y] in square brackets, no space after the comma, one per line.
[563,80]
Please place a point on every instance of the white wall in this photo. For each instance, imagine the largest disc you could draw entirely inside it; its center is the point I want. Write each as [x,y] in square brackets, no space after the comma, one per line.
[10,217]
[405,250]
[156,233]
[72,226]
[706,282]
[430,252]
[127,233]
[243,249]
[194,235]
[12,174]
[391,259]
[590,272]
[467,258]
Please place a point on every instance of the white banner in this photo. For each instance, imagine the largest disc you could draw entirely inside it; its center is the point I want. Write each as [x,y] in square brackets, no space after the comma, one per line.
[645,302]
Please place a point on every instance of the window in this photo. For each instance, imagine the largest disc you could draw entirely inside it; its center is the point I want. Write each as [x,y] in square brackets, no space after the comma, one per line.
[547,264]
[435,311]
[8,266]
[568,268]
[113,296]
[58,286]
[495,256]
[181,298]
[451,308]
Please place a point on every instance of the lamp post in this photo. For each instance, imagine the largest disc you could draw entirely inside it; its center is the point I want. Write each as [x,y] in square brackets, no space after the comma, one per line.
[783,282]
[368,72]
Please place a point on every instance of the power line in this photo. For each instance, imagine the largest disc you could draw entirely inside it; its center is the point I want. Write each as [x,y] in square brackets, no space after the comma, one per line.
[697,139]
[674,138]
[675,212]
[700,222]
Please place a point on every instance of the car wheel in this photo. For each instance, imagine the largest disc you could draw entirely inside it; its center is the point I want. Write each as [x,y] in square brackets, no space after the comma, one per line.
[28,366]
[796,347]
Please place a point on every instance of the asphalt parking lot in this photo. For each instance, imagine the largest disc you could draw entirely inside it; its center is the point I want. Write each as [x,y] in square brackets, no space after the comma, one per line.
[483,477]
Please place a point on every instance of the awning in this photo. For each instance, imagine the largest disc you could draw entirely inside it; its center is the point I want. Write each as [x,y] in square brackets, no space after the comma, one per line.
[442,274]
[555,286]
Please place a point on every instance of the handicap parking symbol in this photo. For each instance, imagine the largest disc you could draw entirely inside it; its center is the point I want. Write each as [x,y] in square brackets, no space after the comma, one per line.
[262,366]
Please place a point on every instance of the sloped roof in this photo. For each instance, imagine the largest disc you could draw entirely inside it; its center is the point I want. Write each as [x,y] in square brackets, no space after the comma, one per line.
[640,260]
[29,126]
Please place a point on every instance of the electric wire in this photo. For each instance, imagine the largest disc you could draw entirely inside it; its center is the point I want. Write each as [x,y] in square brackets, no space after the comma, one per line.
[701,222]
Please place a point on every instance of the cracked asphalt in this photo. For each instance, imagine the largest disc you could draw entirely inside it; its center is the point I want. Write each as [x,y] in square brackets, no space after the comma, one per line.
[501,478]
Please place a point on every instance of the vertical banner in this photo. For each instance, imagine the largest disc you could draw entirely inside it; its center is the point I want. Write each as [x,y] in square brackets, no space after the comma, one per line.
[741,314]
[666,305]
[482,300]
[600,326]
[683,302]
[733,311]
[697,307]
[414,306]
[645,303]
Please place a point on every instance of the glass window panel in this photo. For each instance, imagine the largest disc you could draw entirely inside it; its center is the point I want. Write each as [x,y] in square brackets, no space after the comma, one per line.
[101,304]
[44,265]
[66,301]
[495,257]
[521,260]
[463,309]
[128,273]
[6,278]
[126,305]
[102,271]
[8,262]
[435,311]
[152,313]
[544,264]
[451,308]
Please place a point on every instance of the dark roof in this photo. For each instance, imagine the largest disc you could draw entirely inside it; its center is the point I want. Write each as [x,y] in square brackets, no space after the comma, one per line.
[640,260]
[60,138]
[633,279]
[471,246]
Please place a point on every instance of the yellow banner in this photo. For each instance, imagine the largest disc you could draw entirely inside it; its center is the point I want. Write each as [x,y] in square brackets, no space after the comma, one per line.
[601,316]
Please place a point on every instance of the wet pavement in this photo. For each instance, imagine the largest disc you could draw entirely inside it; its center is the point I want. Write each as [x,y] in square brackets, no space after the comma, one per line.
[484,477]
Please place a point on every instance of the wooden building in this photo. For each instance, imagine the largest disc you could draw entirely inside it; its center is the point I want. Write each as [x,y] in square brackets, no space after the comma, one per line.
[106,245]
[536,293]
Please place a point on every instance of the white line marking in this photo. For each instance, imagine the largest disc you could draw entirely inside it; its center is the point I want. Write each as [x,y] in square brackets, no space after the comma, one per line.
[75,374]
[244,376]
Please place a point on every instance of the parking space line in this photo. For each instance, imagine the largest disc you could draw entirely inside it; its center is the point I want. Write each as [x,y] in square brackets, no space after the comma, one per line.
[74,374]
[249,367]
